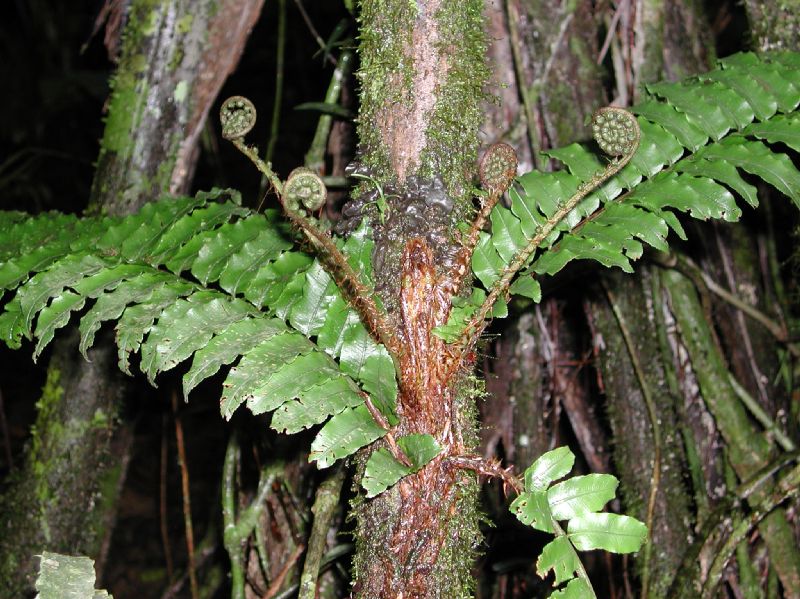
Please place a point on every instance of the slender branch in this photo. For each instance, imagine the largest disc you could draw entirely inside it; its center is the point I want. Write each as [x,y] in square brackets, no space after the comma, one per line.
[461,267]
[654,423]
[770,426]
[690,269]
[559,532]
[490,468]
[788,487]
[163,497]
[313,31]
[232,545]
[263,555]
[264,168]
[710,538]
[278,582]
[187,502]
[278,96]
[236,529]
[324,508]
[315,157]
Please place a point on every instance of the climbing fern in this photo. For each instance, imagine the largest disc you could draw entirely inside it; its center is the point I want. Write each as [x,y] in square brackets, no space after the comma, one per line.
[212,281]
[299,331]
[696,138]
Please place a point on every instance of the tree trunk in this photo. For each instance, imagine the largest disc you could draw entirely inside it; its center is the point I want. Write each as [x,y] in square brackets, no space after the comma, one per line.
[662,52]
[654,40]
[422,76]
[175,57]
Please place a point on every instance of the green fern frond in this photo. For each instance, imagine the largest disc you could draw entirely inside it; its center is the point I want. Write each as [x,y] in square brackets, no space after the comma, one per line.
[211,281]
[696,137]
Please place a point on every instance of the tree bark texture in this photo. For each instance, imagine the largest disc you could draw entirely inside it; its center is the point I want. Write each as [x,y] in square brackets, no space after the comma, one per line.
[422,78]
[174,58]
[774,24]
[661,51]
[651,40]
[643,414]
[548,84]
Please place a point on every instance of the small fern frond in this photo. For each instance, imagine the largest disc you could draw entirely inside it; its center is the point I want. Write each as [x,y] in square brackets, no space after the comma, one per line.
[211,281]
[696,137]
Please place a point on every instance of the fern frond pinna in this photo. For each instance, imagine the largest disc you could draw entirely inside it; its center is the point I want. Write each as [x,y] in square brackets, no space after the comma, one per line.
[211,281]
[696,137]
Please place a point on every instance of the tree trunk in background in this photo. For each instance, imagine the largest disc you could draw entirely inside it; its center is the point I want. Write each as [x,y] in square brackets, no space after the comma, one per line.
[422,77]
[544,54]
[653,40]
[774,24]
[670,41]
[175,57]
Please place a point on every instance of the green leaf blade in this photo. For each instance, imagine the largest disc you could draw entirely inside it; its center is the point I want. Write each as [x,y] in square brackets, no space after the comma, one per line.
[314,405]
[257,366]
[581,495]
[611,532]
[558,556]
[547,468]
[343,435]
[237,339]
[532,509]
[383,470]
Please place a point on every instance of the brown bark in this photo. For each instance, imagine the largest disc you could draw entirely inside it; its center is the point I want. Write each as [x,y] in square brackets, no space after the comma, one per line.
[422,78]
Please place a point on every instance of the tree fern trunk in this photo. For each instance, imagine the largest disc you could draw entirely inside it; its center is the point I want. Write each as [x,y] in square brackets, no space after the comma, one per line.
[175,57]
[422,79]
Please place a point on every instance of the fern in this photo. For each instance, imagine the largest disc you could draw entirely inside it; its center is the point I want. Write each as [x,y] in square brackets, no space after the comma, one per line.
[542,505]
[211,281]
[696,137]
[302,337]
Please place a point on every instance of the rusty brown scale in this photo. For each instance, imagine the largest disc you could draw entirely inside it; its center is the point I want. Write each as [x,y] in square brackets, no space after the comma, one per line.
[424,304]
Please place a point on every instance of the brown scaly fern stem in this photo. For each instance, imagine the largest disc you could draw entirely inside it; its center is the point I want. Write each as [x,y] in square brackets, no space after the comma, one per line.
[303,187]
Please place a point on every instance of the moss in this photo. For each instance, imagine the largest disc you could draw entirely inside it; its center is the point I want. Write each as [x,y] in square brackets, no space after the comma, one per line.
[458,112]
[46,420]
[121,120]
[124,112]
[185,24]
[385,75]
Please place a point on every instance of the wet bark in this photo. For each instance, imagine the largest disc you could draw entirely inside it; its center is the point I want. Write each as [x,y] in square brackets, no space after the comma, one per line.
[643,412]
[175,57]
[422,81]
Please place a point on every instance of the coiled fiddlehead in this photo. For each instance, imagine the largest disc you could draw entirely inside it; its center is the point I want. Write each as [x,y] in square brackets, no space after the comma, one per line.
[304,187]
[615,130]
[237,116]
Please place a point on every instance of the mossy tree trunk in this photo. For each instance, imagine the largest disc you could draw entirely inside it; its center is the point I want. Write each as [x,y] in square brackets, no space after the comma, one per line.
[632,320]
[422,83]
[671,41]
[174,58]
